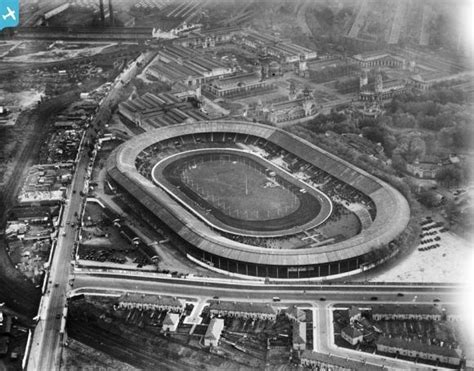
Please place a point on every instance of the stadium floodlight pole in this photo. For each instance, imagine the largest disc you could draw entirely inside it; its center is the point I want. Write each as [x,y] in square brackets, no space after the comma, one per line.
[246,185]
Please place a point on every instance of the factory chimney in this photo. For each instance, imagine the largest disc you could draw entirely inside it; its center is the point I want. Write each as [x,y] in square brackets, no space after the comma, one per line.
[111,13]
[102,15]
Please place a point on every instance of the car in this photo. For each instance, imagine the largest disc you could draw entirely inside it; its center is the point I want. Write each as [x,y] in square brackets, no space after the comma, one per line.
[373,298]
[276,298]
[216,298]
[58,316]
[322,299]
[436,300]
[400,294]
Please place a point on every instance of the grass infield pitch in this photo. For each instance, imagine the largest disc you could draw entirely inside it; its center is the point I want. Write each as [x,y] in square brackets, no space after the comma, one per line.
[240,191]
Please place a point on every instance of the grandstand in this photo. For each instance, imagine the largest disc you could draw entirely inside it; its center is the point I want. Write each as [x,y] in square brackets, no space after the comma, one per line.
[365,215]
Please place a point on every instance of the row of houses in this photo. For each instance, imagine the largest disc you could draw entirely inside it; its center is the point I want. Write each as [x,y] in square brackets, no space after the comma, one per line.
[150,302]
[323,361]
[397,312]
[243,310]
[417,349]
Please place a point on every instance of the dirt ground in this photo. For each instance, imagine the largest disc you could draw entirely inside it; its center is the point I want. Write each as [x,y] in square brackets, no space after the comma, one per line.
[79,356]
[451,262]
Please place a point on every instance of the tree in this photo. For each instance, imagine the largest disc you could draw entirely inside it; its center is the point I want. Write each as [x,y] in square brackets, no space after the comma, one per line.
[430,198]
[450,176]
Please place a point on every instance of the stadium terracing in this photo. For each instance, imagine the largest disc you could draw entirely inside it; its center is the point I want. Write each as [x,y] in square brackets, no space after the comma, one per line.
[384,213]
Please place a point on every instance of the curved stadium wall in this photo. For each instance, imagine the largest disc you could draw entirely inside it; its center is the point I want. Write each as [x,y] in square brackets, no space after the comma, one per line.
[209,247]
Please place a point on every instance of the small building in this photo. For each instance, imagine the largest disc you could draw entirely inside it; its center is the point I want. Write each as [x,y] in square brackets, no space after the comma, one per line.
[299,335]
[150,302]
[295,314]
[213,332]
[170,323]
[237,85]
[352,335]
[354,314]
[5,324]
[243,310]
[3,111]
[418,350]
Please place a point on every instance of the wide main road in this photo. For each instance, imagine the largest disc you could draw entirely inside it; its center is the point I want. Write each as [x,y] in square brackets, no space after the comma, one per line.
[231,289]
[46,338]
[44,352]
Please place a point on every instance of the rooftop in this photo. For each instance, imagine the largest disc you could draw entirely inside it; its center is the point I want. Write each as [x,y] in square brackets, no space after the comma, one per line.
[299,333]
[351,331]
[353,311]
[243,78]
[346,363]
[296,313]
[215,328]
[171,319]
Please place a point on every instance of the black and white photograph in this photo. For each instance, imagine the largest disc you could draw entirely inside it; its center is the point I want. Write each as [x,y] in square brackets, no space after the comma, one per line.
[220,185]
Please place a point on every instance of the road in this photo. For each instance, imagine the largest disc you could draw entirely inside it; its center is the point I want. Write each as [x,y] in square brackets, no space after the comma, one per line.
[46,343]
[301,294]
[243,289]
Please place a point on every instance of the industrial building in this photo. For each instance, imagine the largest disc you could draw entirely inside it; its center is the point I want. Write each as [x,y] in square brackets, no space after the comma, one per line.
[178,64]
[154,111]
[274,46]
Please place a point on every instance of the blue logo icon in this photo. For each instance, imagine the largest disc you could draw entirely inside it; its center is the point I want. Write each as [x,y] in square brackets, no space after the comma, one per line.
[9,13]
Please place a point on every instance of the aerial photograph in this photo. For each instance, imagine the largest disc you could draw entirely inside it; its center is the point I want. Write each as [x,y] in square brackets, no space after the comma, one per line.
[227,185]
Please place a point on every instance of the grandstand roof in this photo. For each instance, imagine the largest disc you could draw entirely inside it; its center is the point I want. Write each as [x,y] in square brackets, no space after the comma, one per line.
[392,208]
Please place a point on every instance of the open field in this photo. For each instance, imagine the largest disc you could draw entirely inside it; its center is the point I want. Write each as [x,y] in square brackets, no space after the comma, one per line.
[239,189]
[267,200]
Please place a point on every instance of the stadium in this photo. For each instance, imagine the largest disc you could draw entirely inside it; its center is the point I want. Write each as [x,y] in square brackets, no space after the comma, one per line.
[252,200]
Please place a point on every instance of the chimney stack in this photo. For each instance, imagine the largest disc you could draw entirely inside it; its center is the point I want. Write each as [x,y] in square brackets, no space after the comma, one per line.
[111,13]
[102,15]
